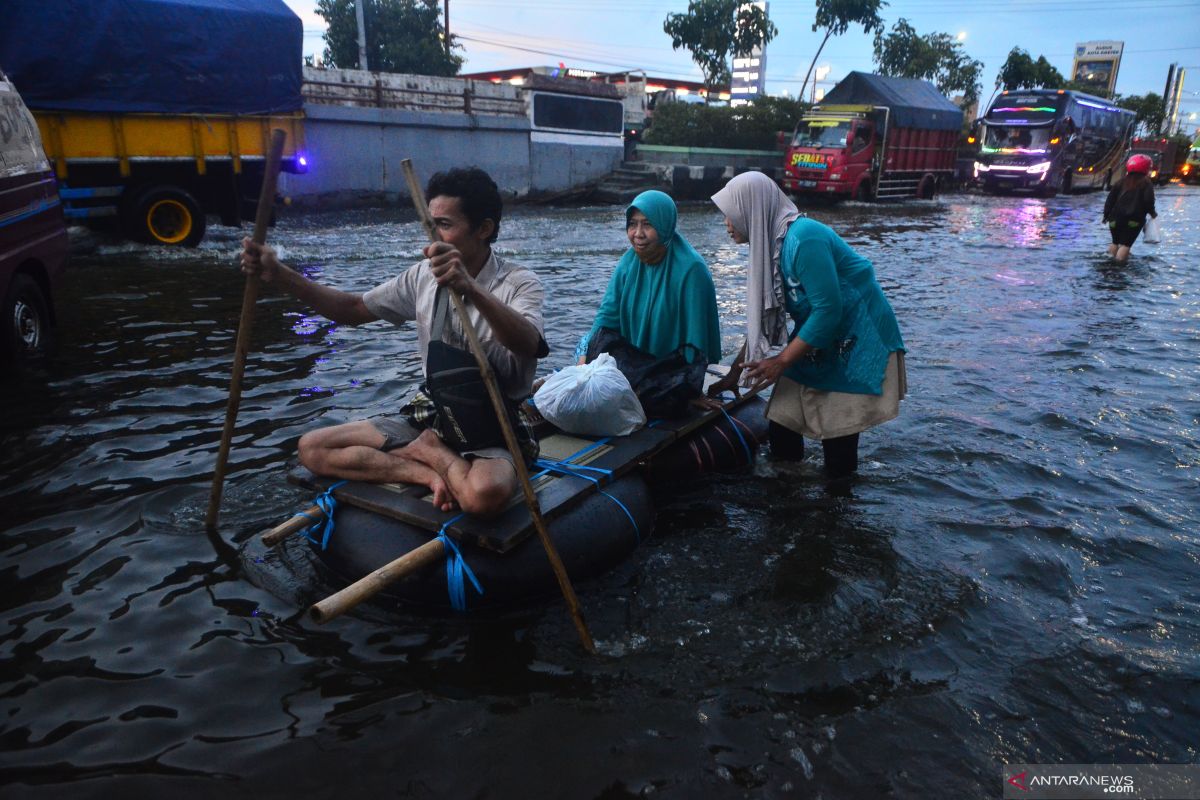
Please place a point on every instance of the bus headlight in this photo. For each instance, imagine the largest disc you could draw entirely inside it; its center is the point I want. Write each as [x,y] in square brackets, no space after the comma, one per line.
[1039,169]
[980,168]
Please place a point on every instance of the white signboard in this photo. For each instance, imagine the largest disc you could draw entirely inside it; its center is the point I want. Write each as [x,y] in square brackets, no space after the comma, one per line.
[1096,65]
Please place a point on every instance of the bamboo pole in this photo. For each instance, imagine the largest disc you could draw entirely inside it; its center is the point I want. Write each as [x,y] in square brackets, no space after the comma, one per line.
[266,200]
[290,526]
[339,603]
[510,438]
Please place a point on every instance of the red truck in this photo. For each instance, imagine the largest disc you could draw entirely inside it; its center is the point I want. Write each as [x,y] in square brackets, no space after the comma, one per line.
[1162,153]
[875,137]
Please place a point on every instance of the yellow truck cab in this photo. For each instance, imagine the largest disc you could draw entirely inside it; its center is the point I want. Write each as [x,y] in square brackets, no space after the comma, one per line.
[162,113]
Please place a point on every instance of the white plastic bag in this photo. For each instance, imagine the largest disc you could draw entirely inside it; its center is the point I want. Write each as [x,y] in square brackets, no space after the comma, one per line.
[1152,233]
[591,399]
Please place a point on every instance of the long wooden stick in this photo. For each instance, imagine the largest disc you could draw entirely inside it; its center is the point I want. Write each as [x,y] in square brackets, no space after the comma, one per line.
[288,527]
[510,438]
[337,604]
[266,200]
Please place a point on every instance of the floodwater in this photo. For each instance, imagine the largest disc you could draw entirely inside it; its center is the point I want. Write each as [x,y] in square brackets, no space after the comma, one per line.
[1012,577]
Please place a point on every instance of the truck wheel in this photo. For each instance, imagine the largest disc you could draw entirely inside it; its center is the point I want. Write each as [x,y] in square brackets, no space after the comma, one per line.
[27,333]
[927,188]
[167,215]
[862,192]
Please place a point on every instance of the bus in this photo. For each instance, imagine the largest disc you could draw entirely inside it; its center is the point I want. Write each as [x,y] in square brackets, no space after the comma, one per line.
[1047,141]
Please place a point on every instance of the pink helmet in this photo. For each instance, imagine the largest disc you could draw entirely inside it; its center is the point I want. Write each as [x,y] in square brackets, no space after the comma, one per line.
[1138,163]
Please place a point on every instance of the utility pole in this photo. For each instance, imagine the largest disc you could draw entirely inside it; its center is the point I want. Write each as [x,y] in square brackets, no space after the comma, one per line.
[362,35]
[446,24]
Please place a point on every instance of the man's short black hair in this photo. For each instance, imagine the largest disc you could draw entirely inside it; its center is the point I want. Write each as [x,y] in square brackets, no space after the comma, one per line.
[477,193]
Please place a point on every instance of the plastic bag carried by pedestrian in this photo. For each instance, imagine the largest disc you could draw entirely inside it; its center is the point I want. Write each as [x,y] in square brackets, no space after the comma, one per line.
[1152,233]
[591,399]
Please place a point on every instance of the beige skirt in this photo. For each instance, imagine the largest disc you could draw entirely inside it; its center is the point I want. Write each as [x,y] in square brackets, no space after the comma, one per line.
[828,415]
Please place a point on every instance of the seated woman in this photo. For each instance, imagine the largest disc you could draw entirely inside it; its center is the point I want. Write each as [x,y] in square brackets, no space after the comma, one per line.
[661,294]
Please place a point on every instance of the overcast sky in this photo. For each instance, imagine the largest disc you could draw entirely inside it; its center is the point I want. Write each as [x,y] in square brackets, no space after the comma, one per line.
[610,35]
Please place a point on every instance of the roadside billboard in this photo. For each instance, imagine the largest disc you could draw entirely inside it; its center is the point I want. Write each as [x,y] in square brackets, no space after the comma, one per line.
[1096,65]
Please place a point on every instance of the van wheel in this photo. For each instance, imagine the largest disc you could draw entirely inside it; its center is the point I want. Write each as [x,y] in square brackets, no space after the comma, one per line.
[167,215]
[27,334]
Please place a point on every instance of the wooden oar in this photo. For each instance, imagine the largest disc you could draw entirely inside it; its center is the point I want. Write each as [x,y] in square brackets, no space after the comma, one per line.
[377,580]
[266,200]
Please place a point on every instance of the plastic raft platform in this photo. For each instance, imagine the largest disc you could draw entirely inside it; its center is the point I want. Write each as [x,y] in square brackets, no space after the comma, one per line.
[595,500]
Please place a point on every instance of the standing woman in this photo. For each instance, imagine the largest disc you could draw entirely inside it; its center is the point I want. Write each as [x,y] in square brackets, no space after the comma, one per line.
[843,369]
[1128,204]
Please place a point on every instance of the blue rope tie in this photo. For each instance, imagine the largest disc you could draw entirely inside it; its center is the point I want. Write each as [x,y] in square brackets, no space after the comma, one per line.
[456,567]
[733,424]
[579,471]
[328,504]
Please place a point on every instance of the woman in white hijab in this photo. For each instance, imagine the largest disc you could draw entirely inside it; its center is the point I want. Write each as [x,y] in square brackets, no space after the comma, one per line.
[842,369]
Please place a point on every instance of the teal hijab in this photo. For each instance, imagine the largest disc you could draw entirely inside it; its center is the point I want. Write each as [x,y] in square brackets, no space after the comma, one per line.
[660,307]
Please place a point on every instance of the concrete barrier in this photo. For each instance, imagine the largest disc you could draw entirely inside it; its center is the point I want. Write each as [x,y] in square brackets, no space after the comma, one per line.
[360,125]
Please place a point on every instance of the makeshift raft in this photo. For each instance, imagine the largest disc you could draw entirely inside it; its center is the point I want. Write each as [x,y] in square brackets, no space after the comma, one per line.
[593,494]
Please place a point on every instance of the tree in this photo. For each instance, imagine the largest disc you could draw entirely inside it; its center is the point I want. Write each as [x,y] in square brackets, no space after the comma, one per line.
[713,30]
[936,57]
[1022,72]
[836,17]
[402,36]
[1149,109]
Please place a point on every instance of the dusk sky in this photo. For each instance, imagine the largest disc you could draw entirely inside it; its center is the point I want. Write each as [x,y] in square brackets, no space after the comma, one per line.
[624,34]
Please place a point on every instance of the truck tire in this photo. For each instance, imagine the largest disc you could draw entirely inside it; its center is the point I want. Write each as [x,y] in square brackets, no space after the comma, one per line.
[166,215]
[862,192]
[927,188]
[28,331]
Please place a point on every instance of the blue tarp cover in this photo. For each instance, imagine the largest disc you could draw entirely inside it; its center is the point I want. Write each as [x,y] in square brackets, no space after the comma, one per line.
[914,103]
[163,56]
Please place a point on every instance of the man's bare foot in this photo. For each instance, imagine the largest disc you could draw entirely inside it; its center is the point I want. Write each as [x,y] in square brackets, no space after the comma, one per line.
[442,497]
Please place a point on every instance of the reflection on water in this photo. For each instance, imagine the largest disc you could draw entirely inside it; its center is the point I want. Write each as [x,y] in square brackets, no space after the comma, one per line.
[1010,578]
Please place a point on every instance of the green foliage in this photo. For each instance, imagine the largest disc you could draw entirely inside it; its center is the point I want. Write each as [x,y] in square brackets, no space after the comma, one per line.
[752,127]
[1020,71]
[935,57]
[714,30]
[402,36]
[836,16]
[1149,110]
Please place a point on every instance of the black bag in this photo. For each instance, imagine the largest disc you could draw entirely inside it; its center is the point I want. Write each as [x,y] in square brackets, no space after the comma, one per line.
[664,385]
[466,418]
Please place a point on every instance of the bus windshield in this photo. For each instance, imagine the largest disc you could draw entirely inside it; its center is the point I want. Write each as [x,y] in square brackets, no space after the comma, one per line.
[1024,108]
[1016,139]
[821,134]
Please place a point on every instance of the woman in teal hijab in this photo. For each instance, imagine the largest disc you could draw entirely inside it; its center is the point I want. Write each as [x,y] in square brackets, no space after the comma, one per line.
[661,294]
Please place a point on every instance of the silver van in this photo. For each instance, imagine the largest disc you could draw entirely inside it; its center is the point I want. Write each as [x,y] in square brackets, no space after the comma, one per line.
[33,235]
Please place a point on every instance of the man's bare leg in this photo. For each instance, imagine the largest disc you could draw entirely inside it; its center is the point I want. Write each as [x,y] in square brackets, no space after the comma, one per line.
[482,487]
[351,451]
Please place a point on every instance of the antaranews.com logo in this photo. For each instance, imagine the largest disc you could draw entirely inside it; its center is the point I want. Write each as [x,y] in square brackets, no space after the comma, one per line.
[1085,781]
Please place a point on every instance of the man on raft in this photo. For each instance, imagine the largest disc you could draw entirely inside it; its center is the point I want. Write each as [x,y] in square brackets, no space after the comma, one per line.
[504,304]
